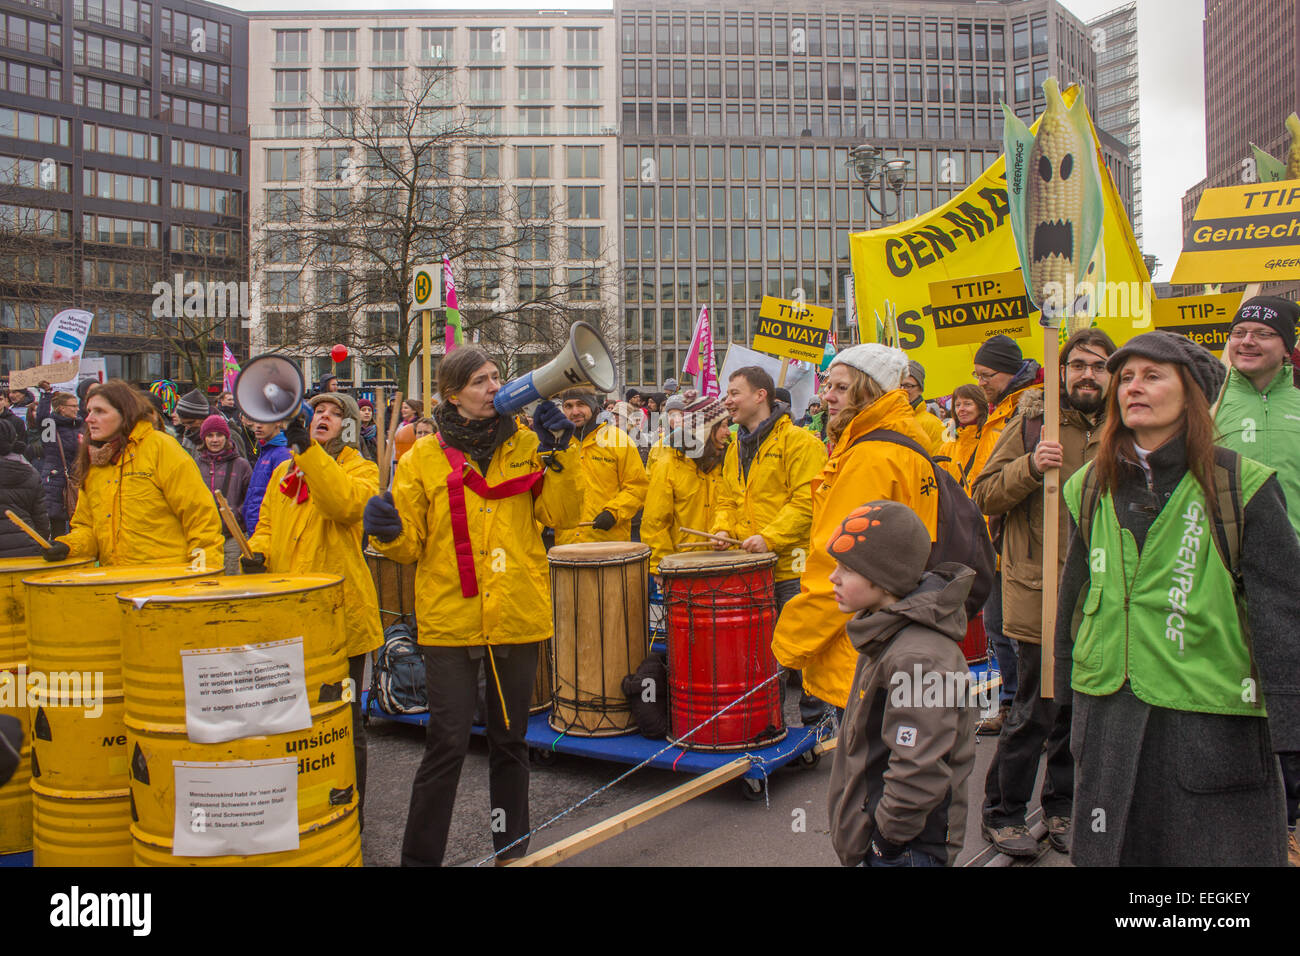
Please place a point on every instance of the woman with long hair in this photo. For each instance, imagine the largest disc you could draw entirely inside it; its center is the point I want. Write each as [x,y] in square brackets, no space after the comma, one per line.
[142,499]
[1176,627]
[956,455]
[862,395]
[465,509]
[59,448]
[412,411]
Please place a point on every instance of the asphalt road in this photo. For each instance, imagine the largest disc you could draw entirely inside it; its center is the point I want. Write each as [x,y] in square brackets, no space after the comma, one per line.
[719,828]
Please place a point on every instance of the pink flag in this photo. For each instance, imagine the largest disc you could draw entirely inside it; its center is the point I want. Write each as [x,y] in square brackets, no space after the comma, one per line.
[229,368]
[455,331]
[700,360]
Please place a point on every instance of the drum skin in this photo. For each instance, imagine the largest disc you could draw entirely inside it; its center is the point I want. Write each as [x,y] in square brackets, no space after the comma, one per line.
[721,612]
[602,623]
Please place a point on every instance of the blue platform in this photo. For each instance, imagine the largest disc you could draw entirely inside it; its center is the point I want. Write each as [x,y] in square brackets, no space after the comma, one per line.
[16,859]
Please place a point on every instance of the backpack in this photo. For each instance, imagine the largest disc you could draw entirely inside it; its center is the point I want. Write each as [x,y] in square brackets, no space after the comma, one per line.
[1229,524]
[651,716]
[397,685]
[962,535]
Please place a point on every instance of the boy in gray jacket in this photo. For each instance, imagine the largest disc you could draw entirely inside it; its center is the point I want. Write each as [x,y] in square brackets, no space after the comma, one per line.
[907,740]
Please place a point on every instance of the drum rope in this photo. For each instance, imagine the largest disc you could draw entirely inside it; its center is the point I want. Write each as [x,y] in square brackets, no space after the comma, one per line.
[758,761]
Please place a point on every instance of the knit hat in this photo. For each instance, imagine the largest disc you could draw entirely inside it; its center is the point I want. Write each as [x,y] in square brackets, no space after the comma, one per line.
[917,371]
[675,403]
[7,437]
[214,423]
[1206,370]
[670,385]
[886,543]
[193,404]
[630,394]
[883,365]
[366,403]
[165,391]
[582,395]
[698,422]
[1001,354]
[1280,315]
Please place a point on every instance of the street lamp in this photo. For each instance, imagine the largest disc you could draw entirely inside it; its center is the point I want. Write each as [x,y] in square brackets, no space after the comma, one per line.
[870,165]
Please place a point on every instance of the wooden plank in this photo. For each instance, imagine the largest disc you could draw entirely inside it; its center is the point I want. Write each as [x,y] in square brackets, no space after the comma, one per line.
[621,823]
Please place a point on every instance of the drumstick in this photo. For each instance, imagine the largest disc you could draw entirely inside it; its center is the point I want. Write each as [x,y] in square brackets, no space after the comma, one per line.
[27,529]
[232,525]
[707,534]
[585,524]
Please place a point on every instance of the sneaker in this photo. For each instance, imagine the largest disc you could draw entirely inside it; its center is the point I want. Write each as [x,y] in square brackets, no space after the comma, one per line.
[1292,849]
[992,726]
[1013,840]
[1058,833]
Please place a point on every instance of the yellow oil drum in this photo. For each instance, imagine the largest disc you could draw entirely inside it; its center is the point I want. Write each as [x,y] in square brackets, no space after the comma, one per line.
[74,617]
[16,795]
[162,623]
[81,829]
[13,604]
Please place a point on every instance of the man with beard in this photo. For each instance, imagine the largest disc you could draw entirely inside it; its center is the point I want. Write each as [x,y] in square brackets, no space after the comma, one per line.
[1011,485]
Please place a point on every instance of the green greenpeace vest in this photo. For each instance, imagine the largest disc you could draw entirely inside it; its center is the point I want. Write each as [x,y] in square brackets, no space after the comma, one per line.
[1167,620]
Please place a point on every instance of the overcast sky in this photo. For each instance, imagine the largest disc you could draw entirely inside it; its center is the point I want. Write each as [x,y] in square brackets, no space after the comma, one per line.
[1170,76]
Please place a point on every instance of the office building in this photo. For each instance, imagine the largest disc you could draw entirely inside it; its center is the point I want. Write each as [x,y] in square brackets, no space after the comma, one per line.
[1115,41]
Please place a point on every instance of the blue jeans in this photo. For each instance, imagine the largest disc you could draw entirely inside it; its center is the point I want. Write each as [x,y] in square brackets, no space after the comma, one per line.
[908,857]
[1004,648]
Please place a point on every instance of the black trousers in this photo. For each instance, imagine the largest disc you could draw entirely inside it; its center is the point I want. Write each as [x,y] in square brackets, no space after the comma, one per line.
[1032,720]
[1291,784]
[357,671]
[452,674]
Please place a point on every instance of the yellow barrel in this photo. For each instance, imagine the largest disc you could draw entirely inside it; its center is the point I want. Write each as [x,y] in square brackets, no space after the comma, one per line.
[74,617]
[229,613]
[79,748]
[13,604]
[16,795]
[81,829]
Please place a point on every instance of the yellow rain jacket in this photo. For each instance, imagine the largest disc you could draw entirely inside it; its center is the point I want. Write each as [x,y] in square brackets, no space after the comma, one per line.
[775,499]
[997,421]
[151,507]
[810,632]
[513,604]
[680,496]
[323,534]
[612,478]
[657,451]
[931,426]
[961,450]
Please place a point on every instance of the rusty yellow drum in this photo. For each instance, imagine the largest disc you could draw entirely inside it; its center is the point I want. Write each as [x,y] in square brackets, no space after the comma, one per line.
[81,829]
[16,795]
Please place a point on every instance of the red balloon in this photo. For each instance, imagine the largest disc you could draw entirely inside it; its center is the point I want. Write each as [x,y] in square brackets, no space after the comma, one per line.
[339,353]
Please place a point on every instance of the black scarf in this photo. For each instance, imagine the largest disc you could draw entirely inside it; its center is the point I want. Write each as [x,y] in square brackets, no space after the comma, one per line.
[477,438]
[748,442]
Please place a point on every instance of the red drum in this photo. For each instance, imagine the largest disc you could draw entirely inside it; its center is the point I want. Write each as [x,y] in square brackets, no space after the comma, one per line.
[976,644]
[721,612]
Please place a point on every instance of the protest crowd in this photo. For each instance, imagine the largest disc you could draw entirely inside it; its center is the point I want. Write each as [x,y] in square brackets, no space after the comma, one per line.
[1180,476]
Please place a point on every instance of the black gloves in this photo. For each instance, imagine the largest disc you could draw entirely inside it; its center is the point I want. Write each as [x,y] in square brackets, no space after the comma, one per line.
[604,521]
[56,552]
[297,437]
[254,565]
[885,849]
[380,519]
[547,420]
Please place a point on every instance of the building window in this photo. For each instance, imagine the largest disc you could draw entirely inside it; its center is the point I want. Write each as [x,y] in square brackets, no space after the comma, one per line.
[130,15]
[121,187]
[283,165]
[97,138]
[291,46]
[483,162]
[582,43]
[534,120]
[584,242]
[484,84]
[584,202]
[340,86]
[340,46]
[282,205]
[291,86]
[121,232]
[30,80]
[534,43]
[583,82]
[583,284]
[534,82]
[332,164]
[582,162]
[386,84]
[486,43]
[534,202]
[435,44]
[388,44]
[35,174]
[290,123]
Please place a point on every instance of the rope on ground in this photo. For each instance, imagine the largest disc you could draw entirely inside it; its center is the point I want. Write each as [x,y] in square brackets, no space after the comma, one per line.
[623,776]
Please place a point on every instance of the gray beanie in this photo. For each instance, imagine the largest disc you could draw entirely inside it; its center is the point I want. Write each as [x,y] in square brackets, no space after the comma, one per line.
[917,371]
[193,404]
[582,395]
[886,543]
[1206,370]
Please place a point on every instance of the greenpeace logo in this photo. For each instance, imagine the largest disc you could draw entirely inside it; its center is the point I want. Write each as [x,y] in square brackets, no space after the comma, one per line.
[1184,578]
[77,909]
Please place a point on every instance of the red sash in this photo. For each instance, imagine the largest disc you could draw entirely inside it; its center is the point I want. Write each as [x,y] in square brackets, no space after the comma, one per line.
[460,476]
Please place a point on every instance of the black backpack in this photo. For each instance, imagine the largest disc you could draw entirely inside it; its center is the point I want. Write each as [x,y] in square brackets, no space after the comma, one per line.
[963,536]
[651,715]
[397,684]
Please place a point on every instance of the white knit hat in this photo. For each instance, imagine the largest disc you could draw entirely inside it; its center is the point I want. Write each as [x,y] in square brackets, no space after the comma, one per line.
[883,365]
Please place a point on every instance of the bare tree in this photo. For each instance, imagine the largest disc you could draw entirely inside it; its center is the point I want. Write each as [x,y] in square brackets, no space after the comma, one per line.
[414,180]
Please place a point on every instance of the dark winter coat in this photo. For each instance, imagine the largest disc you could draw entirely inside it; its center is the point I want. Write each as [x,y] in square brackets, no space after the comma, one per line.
[903,760]
[21,492]
[17,418]
[1162,787]
[67,433]
[227,472]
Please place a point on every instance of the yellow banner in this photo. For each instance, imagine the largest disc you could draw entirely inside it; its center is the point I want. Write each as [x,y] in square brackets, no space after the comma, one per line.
[1243,234]
[970,236]
[795,330]
[969,311]
[1205,319]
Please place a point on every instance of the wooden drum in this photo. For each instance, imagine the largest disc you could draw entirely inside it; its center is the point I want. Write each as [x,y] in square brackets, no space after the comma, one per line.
[395,588]
[598,591]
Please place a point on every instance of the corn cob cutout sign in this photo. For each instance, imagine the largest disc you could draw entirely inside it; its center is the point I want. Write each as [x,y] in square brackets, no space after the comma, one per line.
[1056,204]
[1270,170]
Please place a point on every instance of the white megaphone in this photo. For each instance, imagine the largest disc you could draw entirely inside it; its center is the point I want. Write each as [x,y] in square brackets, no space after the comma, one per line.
[269,389]
[584,361]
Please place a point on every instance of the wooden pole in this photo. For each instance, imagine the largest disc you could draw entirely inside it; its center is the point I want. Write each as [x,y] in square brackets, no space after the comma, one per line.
[27,529]
[381,443]
[785,367]
[1051,507]
[426,321]
[232,524]
[621,823]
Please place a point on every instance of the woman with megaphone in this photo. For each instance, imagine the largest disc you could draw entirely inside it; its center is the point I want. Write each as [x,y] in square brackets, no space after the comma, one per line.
[310,523]
[465,508]
[142,499]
